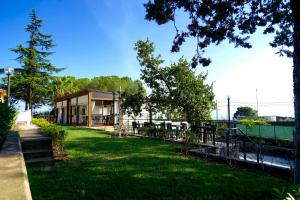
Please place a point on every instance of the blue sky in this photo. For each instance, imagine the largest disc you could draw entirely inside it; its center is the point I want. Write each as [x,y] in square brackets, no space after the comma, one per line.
[96,37]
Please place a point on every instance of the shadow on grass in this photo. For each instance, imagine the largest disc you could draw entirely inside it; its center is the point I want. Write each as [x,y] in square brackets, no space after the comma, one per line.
[101,167]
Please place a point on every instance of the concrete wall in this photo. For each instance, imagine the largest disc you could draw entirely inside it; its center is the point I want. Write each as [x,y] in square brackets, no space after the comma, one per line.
[24,117]
[13,174]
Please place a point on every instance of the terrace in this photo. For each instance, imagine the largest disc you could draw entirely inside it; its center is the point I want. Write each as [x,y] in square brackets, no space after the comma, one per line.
[89,107]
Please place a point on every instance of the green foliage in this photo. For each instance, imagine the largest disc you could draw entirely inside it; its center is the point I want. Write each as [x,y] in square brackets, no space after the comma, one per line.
[56,133]
[32,83]
[41,122]
[291,193]
[176,87]
[148,131]
[250,122]
[63,85]
[189,139]
[134,98]
[245,112]
[215,21]
[7,119]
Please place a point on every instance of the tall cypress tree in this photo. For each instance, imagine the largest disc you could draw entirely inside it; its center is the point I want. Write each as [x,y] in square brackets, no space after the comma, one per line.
[31,84]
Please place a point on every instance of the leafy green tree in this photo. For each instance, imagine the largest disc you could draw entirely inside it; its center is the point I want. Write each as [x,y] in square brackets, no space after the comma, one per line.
[63,85]
[213,21]
[175,87]
[82,83]
[110,83]
[245,112]
[189,93]
[134,98]
[32,84]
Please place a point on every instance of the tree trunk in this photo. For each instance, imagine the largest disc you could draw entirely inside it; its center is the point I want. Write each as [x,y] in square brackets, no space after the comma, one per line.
[150,115]
[29,96]
[296,78]
[26,105]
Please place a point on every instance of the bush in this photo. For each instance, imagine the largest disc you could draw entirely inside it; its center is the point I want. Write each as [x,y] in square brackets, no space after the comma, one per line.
[56,133]
[7,119]
[41,122]
[250,123]
[148,131]
[287,193]
[189,139]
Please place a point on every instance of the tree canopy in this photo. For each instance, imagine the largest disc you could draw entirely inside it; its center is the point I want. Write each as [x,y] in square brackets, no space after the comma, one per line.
[212,21]
[63,85]
[245,112]
[31,84]
[175,87]
[134,98]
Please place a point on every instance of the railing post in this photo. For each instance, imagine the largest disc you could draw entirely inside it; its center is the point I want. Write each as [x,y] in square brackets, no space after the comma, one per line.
[244,147]
[257,153]
[227,142]
[275,133]
[214,136]
[229,125]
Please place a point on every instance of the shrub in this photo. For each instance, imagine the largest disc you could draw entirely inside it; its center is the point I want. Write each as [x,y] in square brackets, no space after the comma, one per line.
[56,133]
[41,122]
[7,119]
[189,139]
[148,131]
[287,193]
[250,123]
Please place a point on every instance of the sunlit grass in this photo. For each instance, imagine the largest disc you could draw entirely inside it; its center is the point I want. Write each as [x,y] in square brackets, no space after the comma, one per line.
[101,167]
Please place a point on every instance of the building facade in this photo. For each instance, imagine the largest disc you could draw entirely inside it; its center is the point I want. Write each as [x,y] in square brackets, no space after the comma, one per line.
[2,95]
[88,108]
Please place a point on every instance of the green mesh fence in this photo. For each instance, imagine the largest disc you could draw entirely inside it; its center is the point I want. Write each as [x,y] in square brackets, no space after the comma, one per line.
[269,131]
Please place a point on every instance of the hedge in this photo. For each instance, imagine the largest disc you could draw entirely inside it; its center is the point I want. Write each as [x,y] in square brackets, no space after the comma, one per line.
[7,119]
[56,133]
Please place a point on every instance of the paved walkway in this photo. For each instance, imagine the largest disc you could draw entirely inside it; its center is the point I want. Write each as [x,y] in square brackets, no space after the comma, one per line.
[30,131]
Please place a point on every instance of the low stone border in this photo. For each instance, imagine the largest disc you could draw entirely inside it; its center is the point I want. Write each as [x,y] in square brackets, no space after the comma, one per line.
[14,181]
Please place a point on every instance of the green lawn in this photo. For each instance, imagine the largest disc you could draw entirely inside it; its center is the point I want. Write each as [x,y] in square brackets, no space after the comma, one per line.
[101,167]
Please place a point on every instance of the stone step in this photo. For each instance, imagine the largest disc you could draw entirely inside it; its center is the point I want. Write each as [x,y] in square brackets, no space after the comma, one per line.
[37,153]
[40,162]
[36,143]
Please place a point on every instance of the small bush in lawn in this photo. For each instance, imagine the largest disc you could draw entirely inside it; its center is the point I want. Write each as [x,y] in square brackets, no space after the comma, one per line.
[189,139]
[56,133]
[148,131]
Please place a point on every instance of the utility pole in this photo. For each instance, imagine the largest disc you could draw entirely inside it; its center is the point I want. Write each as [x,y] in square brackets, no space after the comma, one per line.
[256,103]
[228,111]
[120,113]
[229,126]
[217,117]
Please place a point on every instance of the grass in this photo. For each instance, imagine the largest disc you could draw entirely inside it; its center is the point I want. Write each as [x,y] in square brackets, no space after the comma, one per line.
[101,167]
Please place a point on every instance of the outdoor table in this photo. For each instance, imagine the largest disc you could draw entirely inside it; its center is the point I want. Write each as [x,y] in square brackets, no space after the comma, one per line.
[205,130]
